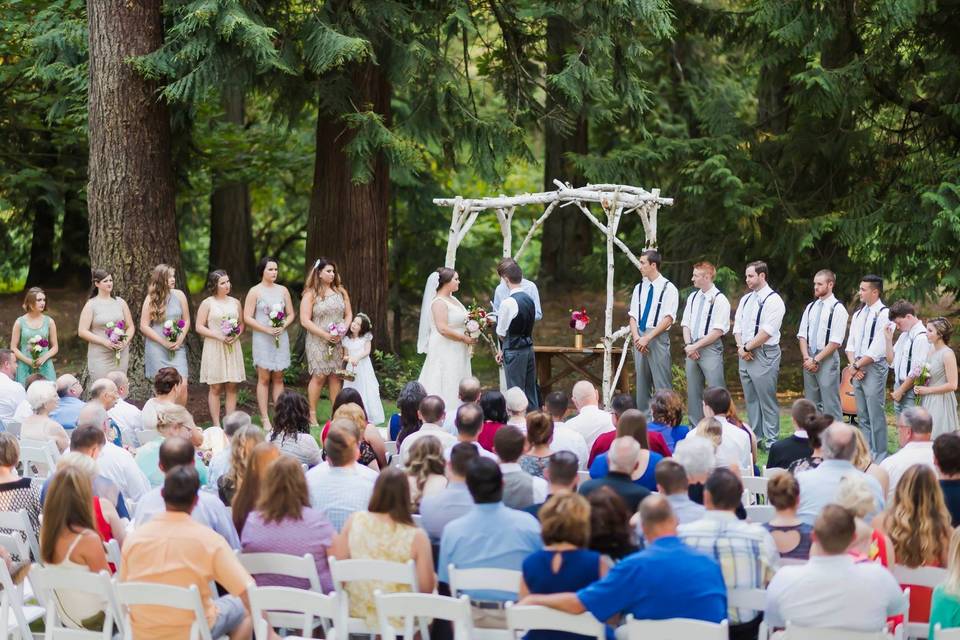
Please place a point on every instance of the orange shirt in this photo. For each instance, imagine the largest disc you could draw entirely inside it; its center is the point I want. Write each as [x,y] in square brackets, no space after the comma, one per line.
[176,550]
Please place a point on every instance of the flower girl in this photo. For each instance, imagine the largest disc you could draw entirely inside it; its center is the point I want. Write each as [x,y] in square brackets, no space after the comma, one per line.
[357,361]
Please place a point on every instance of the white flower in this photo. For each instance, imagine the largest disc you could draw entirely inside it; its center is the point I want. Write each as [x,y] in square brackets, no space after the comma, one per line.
[168,324]
[473,326]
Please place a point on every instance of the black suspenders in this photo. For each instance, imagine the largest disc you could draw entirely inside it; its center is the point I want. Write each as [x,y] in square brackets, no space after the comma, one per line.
[756,327]
[826,338]
[656,316]
[706,326]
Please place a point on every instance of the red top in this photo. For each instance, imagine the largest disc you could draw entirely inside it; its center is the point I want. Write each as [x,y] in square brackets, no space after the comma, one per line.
[103,527]
[487,431]
[603,442]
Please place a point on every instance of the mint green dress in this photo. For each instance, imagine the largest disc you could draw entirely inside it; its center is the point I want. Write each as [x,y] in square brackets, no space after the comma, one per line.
[944,609]
[24,370]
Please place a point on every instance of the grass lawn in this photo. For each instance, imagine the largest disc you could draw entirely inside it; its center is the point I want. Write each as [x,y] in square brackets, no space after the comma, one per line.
[786,429]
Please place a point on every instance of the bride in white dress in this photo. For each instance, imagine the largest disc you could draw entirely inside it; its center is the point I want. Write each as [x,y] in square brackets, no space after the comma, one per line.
[442,338]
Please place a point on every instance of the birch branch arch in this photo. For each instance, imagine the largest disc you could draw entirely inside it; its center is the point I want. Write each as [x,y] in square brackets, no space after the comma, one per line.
[616,201]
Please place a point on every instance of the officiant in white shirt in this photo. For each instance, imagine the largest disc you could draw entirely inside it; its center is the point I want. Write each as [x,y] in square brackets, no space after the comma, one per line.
[503,291]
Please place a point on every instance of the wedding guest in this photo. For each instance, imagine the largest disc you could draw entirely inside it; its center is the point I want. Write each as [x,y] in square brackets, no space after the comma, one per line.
[469,420]
[23,409]
[620,404]
[610,533]
[284,522]
[561,474]
[666,407]
[674,484]
[591,421]
[172,420]
[696,455]
[370,455]
[632,424]
[220,322]
[115,463]
[241,446]
[127,416]
[516,408]
[291,429]
[814,426]
[425,470]
[914,431]
[169,389]
[795,447]
[12,392]
[408,403]
[220,461]
[248,489]
[43,399]
[945,605]
[520,489]
[161,314]
[938,395]
[539,436]
[431,417]
[870,542]
[34,325]
[89,440]
[325,314]
[17,493]
[565,438]
[454,500]
[736,445]
[624,457]
[342,489]
[268,312]
[107,520]
[107,348]
[468,391]
[792,537]
[105,392]
[864,462]
[946,457]
[494,407]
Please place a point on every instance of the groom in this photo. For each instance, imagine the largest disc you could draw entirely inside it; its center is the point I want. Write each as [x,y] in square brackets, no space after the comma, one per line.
[515,318]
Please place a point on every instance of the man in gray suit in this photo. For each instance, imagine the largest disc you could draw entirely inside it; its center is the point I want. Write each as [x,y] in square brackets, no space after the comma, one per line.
[653,307]
[706,318]
[823,326]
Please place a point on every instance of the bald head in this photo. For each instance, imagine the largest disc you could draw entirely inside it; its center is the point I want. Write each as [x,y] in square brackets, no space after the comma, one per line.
[839,442]
[175,451]
[93,414]
[68,385]
[584,394]
[120,379]
[656,517]
[624,454]
[469,390]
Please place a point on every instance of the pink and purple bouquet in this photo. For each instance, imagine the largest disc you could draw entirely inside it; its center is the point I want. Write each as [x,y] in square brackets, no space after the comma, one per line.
[277,314]
[38,345]
[335,329]
[116,332]
[172,330]
[477,326]
[579,319]
[230,327]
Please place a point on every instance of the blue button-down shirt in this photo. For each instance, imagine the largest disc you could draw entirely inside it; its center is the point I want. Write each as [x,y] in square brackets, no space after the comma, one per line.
[67,411]
[209,511]
[502,292]
[818,488]
[666,580]
[439,509]
[490,536]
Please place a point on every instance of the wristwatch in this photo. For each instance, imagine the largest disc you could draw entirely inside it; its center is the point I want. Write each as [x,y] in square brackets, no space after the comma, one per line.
[855,366]
[746,349]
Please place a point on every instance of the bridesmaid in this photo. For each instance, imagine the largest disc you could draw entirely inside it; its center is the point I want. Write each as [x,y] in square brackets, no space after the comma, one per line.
[164,303]
[104,356]
[325,301]
[938,396]
[271,345]
[221,363]
[34,323]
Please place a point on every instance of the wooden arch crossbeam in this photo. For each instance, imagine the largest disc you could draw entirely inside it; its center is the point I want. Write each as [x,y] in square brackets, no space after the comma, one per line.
[616,200]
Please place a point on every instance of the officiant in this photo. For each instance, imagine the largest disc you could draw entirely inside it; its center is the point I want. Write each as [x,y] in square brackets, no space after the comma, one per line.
[503,291]
[516,315]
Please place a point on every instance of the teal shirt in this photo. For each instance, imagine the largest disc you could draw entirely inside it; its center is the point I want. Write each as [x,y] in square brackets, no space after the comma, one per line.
[148,459]
[944,610]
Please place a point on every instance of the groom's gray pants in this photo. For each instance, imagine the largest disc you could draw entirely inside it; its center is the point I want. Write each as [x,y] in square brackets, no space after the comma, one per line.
[653,369]
[520,370]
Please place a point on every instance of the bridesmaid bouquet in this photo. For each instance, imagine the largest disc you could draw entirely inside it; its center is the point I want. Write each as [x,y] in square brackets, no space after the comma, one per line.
[921,376]
[230,326]
[37,345]
[116,332]
[277,314]
[172,330]
[335,329]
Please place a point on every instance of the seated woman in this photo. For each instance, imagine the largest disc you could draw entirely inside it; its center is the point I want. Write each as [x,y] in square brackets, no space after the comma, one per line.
[241,445]
[354,413]
[291,429]
[610,531]
[172,420]
[425,470]
[109,524]
[666,407]
[494,407]
[792,537]
[284,522]
[370,433]
[169,387]
[863,460]
[945,605]
[384,532]
[408,404]
[42,398]
[69,540]
[564,564]
[814,425]
[632,423]
[17,493]
[540,439]
[248,491]
[869,542]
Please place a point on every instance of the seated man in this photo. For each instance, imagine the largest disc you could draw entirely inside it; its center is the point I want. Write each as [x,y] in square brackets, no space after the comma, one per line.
[591,421]
[520,489]
[561,474]
[127,416]
[666,580]
[68,409]
[175,550]
[12,392]
[832,590]
[114,463]
[439,509]
[797,446]
[468,391]
[946,455]
[343,489]
[431,413]
[623,459]
[915,432]
[565,438]
[673,484]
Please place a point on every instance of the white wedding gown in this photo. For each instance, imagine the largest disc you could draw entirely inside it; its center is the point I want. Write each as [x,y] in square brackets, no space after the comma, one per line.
[448,361]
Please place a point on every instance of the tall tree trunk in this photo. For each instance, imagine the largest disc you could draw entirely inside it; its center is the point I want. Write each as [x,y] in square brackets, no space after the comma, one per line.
[131,190]
[567,236]
[231,229]
[348,221]
[74,267]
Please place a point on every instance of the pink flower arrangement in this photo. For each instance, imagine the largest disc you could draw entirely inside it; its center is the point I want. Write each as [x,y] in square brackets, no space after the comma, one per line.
[116,332]
[172,330]
[335,329]
[277,314]
[579,319]
[38,344]
[230,327]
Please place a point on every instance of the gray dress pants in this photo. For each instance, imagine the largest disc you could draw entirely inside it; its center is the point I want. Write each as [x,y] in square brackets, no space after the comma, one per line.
[702,373]
[759,379]
[653,369]
[823,387]
[909,400]
[871,407]
[520,370]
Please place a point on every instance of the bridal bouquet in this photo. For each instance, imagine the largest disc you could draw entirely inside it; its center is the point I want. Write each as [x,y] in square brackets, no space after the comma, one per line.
[172,330]
[478,327]
[579,319]
[116,332]
[229,327]
[277,314]
[38,344]
[335,329]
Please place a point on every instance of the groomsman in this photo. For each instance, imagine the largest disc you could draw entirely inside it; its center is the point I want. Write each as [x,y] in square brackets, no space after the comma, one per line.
[653,306]
[823,326]
[706,317]
[867,352]
[515,319]
[909,353]
[756,328]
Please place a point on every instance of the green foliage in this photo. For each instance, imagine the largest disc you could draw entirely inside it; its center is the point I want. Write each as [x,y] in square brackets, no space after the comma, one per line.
[393,372]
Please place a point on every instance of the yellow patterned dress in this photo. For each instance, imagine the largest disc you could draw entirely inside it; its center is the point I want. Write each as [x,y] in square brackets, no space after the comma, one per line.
[376,537]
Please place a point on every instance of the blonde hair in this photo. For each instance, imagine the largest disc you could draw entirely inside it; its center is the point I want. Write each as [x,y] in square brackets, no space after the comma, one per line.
[861,457]
[917,521]
[158,291]
[79,461]
[952,584]
[711,429]
[425,460]
[169,414]
[242,443]
[565,518]
[355,414]
[855,496]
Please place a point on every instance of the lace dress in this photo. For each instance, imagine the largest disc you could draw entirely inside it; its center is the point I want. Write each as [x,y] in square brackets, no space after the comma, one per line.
[323,358]
[942,406]
[447,361]
[266,354]
[27,332]
[220,362]
[155,356]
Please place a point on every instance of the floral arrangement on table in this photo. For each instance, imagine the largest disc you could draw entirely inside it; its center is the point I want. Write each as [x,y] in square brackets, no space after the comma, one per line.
[478,326]
[921,376]
[277,314]
[578,322]
[230,327]
[37,346]
[172,330]
[335,329]
[116,332]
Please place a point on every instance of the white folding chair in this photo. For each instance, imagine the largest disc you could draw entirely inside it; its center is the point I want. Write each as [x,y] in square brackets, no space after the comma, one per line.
[527,618]
[929,577]
[675,629]
[583,476]
[487,580]
[19,522]
[391,447]
[13,427]
[39,458]
[754,488]
[793,632]
[132,594]
[147,435]
[417,520]
[760,513]
[48,580]
[939,633]
[15,614]
[418,606]
[355,570]
[112,549]
[755,599]
[305,610]
[303,567]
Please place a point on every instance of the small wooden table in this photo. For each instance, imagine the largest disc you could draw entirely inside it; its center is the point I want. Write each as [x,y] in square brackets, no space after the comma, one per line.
[578,360]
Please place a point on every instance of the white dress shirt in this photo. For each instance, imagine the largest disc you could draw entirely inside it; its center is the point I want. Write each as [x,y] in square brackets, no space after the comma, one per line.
[12,394]
[317,473]
[540,486]
[503,292]
[427,429]
[912,453]
[566,439]
[866,332]
[24,410]
[507,312]
[665,301]
[714,313]
[735,444]
[831,326]
[760,310]
[833,592]
[819,487]
[591,423]
[127,416]
[910,351]
[483,452]
[117,464]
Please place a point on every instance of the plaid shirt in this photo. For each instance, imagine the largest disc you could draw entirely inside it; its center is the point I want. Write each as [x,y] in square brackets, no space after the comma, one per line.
[746,553]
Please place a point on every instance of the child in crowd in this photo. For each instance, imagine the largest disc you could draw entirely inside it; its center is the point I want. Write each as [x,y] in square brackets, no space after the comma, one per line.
[357,345]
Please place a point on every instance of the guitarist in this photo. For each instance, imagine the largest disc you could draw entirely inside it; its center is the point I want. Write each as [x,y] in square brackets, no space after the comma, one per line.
[908,354]
[867,354]
[823,326]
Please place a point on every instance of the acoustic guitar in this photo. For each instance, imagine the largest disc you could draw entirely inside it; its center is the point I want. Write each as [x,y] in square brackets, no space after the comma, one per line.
[848,402]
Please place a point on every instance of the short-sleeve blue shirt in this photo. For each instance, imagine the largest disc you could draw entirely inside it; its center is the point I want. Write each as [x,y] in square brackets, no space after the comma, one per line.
[668,579]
